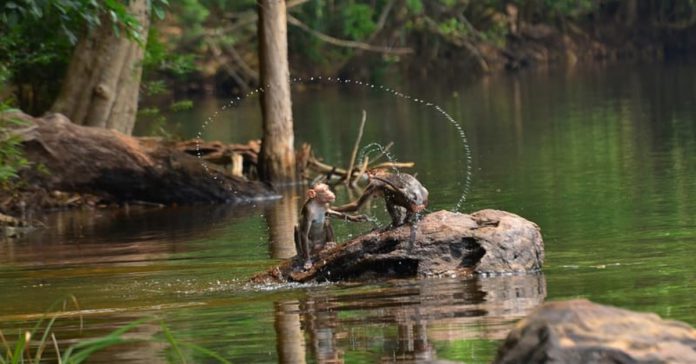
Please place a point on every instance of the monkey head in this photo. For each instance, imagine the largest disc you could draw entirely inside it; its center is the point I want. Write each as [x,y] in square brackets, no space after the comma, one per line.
[321,193]
[417,197]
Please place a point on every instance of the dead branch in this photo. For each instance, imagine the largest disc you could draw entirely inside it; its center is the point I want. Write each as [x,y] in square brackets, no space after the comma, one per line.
[382,153]
[323,168]
[236,156]
[250,17]
[347,43]
[224,155]
[217,52]
[394,165]
[248,71]
[362,171]
[382,20]
[349,178]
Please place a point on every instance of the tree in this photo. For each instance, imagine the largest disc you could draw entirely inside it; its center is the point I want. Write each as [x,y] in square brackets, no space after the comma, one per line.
[103,79]
[277,158]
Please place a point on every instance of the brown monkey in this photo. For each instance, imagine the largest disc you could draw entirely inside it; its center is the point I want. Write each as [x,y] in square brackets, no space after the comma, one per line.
[315,228]
[403,194]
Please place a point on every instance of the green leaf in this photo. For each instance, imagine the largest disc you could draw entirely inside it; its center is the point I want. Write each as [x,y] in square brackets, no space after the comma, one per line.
[414,6]
[172,341]
[159,12]
[19,348]
[206,352]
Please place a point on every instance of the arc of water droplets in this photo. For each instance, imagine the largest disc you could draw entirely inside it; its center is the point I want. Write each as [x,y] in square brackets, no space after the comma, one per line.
[373,147]
[450,119]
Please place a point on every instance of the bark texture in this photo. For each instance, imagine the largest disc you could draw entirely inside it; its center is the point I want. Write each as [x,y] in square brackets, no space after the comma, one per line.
[446,243]
[582,332]
[103,80]
[123,168]
[277,159]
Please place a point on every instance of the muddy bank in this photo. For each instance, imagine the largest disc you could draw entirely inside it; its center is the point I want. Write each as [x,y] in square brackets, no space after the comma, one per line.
[81,166]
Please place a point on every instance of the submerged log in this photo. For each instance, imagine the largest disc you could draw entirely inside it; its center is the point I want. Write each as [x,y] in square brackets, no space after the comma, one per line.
[122,168]
[579,331]
[446,243]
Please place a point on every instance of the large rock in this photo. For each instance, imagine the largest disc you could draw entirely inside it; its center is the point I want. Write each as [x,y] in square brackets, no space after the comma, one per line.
[582,332]
[446,243]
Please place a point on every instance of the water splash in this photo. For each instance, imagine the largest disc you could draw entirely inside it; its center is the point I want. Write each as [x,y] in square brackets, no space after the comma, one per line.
[367,150]
[370,148]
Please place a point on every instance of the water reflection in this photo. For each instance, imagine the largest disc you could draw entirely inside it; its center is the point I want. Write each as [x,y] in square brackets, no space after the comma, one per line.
[281,218]
[119,235]
[405,318]
[601,158]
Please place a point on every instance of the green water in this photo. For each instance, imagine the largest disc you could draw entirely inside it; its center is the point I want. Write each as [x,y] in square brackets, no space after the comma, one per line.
[602,159]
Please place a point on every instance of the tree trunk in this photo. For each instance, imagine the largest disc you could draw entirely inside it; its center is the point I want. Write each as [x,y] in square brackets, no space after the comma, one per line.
[103,79]
[629,12]
[277,159]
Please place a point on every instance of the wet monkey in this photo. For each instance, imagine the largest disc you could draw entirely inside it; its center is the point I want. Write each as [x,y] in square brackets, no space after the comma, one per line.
[404,196]
[314,229]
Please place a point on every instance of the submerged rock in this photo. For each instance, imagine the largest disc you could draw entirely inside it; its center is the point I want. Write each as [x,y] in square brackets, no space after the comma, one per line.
[445,243]
[582,332]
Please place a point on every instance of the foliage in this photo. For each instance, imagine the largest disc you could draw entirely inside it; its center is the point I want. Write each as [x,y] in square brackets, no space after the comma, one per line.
[38,38]
[42,336]
[181,105]
[161,61]
[12,159]
[193,43]
[415,6]
[155,121]
[358,21]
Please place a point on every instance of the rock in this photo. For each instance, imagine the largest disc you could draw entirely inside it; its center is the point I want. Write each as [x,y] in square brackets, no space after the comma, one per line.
[583,332]
[446,243]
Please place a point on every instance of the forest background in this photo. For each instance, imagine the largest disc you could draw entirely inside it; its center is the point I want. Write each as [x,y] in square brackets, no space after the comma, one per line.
[190,47]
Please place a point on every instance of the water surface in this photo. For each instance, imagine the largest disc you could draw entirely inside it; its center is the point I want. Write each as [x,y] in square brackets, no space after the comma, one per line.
[602,158]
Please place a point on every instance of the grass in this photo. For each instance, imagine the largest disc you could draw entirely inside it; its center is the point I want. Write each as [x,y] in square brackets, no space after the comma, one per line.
[27,350]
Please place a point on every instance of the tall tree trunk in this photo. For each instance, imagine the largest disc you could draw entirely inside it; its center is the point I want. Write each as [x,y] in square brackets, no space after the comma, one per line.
[629,12]
[103,79]
[277,158]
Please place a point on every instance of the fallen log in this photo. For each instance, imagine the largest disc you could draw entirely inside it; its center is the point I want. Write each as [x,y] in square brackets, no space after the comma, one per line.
[446,243]
[121,168]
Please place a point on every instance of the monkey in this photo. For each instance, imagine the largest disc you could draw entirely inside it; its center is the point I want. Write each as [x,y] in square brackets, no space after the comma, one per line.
[314,230]
[404,196]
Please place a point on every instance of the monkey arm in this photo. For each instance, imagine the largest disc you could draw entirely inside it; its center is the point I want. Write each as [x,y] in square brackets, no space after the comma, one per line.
[357,204]
[340,215]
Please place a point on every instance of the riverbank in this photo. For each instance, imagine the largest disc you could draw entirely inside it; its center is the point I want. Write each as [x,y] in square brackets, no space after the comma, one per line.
[76,166]
[471,40]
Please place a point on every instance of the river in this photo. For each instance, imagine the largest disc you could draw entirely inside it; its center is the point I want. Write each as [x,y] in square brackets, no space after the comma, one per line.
[602,158]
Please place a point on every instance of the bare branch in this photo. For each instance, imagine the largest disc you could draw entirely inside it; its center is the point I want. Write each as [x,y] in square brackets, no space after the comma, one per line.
[347,43]
[349,177]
